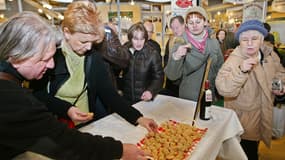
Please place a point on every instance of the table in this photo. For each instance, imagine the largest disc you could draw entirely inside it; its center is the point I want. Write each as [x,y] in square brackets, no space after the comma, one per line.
[221,139]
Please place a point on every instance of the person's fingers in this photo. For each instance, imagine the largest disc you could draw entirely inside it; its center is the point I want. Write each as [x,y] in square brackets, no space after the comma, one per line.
[145,157]
[82,114]
[79,118]
[141,157]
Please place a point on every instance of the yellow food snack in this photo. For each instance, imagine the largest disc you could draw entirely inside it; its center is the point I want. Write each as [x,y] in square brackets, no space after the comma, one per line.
[173,142]
[91,114]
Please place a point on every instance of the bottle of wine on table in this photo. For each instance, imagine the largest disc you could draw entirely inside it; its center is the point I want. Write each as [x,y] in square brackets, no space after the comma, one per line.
[206,102]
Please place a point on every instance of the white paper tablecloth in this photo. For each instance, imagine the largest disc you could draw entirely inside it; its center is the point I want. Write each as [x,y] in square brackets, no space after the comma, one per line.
[221,138]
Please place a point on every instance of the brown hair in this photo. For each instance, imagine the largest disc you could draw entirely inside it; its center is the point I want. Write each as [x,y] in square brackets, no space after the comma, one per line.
[137,27]
[193,14]
[218,32]
[179,18]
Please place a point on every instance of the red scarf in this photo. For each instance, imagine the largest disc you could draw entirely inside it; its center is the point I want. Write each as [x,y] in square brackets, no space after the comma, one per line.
[199,45]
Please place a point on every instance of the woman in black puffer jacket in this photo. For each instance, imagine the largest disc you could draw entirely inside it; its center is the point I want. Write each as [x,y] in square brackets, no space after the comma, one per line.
[143,77]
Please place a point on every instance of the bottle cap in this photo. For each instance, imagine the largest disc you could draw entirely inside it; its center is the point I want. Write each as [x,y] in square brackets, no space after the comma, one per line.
[207,84]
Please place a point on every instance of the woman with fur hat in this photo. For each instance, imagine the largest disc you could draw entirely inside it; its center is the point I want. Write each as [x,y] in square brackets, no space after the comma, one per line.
[245,82]
[190,53]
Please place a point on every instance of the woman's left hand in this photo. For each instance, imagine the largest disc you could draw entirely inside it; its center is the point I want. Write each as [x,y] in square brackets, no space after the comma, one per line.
[148,123]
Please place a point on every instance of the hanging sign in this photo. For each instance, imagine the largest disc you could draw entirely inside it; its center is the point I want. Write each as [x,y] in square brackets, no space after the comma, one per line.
[255,10]
[180,7]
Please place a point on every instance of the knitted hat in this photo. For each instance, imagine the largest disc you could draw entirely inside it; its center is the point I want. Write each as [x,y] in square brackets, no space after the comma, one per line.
[251,25]
[199,10]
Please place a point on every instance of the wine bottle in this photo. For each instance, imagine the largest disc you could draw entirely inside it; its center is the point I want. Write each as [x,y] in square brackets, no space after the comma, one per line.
[206,102]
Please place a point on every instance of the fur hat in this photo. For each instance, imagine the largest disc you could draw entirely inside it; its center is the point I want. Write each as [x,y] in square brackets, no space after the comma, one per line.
[251,25]
[200,10]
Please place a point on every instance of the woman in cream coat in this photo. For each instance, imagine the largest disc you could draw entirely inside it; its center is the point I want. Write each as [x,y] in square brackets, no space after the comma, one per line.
[245,80]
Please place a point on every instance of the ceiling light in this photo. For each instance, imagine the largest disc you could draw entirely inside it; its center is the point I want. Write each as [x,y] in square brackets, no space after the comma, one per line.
[63,1]
[132,2]
[161,1]
[46,5]
[61,17]
[48,16]
[40,10]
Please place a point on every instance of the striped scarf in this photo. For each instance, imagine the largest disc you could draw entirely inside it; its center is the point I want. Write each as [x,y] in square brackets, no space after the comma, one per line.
[199,44]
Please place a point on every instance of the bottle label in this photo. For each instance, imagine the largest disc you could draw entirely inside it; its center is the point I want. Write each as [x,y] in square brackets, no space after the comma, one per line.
[208,96]
[207,112]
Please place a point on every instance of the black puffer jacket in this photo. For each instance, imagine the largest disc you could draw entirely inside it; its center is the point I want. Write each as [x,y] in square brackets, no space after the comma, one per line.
[144,73]
[113,59]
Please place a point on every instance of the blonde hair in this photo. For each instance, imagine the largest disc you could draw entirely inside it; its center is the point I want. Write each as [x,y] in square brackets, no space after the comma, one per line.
[21,37]
[82,16]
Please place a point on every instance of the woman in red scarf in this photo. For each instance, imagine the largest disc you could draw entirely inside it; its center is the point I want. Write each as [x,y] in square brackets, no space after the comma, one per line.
[190,53]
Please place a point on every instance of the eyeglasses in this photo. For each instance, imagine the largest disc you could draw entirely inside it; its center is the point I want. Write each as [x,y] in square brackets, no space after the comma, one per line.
[252,39]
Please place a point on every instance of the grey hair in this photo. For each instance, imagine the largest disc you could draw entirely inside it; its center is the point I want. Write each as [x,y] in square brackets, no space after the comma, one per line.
[22,35]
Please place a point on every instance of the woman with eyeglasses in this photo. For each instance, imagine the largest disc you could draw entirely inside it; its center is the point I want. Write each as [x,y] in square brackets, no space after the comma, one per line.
[247,81]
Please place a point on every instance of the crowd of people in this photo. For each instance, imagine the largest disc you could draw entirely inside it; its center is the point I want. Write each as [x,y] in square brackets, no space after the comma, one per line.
[29,123]
[73,76]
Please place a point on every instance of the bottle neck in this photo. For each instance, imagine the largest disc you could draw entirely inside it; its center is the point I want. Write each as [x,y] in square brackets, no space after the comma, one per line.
[207,84]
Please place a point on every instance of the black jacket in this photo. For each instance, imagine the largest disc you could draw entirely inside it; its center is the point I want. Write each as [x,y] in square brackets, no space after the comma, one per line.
[27,125]
[113,59]
[144,72]
[155,46]
[98,86]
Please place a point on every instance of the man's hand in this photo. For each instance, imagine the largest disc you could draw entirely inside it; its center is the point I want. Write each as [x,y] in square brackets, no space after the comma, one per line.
[149,124]
[132,152]
[78,116]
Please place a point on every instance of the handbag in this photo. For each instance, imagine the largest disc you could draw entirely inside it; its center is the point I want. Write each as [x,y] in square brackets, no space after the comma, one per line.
[279,100]
[278,123]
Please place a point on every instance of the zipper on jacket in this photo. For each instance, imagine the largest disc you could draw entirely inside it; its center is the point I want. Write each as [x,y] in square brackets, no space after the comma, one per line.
[133,79]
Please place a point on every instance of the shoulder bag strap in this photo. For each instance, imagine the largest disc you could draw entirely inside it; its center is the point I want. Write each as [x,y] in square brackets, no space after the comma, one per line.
[9,77]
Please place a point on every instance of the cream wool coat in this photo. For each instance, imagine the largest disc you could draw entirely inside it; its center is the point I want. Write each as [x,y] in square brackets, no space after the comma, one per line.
[250,94]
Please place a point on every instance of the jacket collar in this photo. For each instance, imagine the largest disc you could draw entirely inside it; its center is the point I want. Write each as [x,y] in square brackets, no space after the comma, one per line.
[266,49]
[6,67]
